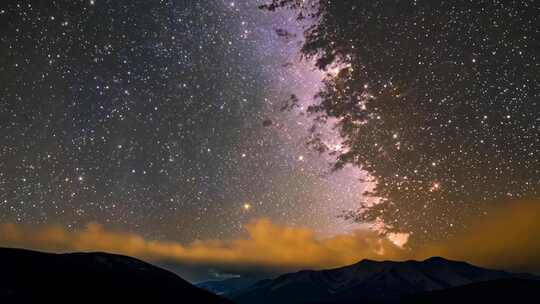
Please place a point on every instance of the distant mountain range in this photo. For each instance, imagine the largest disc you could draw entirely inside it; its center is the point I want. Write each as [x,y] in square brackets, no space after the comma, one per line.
[36,277]
[228,286]
[385,282]
[32,277]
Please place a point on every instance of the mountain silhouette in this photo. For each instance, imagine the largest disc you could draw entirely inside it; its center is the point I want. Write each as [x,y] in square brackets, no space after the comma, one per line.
[376,282]
[31,277]
[35,277]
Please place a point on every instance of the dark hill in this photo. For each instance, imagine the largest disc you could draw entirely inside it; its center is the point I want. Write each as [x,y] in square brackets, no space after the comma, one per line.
[36,277]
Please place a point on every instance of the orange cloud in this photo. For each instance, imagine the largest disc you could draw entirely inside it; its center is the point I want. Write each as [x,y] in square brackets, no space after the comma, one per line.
[507,238]
[266,244]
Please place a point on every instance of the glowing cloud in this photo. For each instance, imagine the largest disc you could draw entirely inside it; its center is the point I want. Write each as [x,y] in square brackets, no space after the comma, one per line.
[507,238]
[266,245]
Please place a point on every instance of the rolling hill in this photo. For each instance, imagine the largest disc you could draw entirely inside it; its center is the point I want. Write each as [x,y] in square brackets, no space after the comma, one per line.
[30,276]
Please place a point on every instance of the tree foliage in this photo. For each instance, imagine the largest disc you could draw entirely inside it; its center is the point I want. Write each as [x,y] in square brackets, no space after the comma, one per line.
[437,100]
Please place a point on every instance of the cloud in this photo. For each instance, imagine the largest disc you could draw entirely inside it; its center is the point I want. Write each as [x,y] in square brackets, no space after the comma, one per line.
[266,245]
[507,238]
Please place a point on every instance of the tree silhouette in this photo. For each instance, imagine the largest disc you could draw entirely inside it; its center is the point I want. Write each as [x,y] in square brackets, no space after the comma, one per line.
[436,100]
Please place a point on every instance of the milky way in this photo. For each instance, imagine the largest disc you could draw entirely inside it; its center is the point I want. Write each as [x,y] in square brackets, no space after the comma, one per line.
[160,118]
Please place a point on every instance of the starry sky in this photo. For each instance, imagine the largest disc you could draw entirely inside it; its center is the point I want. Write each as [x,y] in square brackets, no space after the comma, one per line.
[183,128]
[162,118]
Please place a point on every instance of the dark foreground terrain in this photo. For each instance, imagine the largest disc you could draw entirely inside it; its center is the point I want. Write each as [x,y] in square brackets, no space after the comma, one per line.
[36,277]
[498,291]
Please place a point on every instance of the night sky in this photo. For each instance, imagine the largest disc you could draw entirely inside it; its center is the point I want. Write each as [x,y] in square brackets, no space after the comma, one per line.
[149,116]
[165,120]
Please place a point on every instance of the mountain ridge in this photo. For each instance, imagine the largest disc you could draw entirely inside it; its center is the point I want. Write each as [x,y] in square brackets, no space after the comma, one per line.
[369,281]
[32,276]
